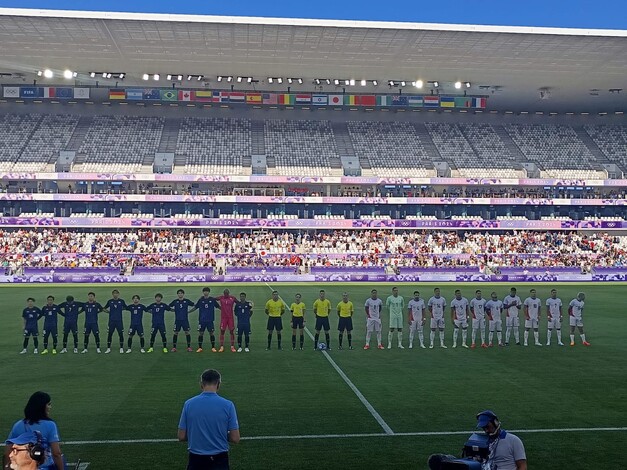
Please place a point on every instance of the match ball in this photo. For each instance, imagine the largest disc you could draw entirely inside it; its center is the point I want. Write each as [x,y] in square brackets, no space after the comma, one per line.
[322,346]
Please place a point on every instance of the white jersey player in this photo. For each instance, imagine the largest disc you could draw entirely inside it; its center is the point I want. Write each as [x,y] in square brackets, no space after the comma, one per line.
[477,310]
[459,314]
[554,317]
[493,308]
[512,304]
[575,314]
[373,306]
[416,314]
[436,306]
[532,316]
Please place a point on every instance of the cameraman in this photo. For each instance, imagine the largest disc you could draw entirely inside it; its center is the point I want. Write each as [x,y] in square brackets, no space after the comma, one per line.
[507,451]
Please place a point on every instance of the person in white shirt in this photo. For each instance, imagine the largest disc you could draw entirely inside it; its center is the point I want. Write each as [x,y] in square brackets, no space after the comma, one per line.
[512,304]
[575,313]
[459,314]
[436,306]
[554,317]
[477,310]
[493,308]
[532,316]
[374,305]
[415,312]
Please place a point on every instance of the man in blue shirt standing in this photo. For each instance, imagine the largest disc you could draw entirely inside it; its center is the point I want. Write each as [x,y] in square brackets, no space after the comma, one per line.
[30,315]
[70,310]
[91,309]
[208,423]
[181,318]
[50,313]
[243,312]
[206,306]
[115,306]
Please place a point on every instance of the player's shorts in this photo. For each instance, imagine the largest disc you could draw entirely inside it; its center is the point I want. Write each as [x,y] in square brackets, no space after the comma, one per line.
[205,325]
[116,326]
[373,324]
[181,325]
[437,323]
[345,323]
[496,325]
[512,322]
[478,323]
[396,321]
[555,323]
[298,322]
[533,323]
[31,331]
[415,325]
[274,323]
[575,321]
[91,328]
[70,328]
[135,329]
[322,323]
[159,328]
[461,323]
[227,323]
[244,329]
[51,330]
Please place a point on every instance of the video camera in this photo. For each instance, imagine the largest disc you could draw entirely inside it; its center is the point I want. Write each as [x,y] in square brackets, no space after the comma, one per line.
[475,453]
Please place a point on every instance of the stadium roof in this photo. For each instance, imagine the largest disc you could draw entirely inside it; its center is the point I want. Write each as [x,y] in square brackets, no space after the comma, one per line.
[517,67]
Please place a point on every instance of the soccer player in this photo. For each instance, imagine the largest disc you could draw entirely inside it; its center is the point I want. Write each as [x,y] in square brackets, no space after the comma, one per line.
[575,312]
[396,304]
[30,315]
[243,312]
[512,304]
[321,308]
[115,307]
[436,305]
[157,310]
[554,317]
[459,314]
[493,308]
[227,320]
[298,320]
[532,316]
[415,312]
[181,307]
[275,308]
[91,309]
[345,311]
[477,310]
[206,306]
[50,312]
[373,306]
[137,325]
[70,311]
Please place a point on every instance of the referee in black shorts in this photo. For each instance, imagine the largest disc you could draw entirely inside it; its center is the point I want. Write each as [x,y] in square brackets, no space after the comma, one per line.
[275,308]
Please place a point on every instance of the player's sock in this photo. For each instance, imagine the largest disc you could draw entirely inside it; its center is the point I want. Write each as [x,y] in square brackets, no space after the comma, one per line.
[121,338]
[25,343]
[421,337]
[558,334]
[536,336]
[390,339]
[55,340]
[411,338]
[572,338]
[247,339]
[517,335]
[368,335]
[526,336]
[464,336]
[328,337]
[548,337]
[441,337]
[97,336]
[152,338]
[221,339]
[109,336]
[269,340]
[188,338]
[490,337]
[379,334]
[142,342]
[302,340]
[164,340]
[174,340]
[201,338]
[294,341]
[432,337]
[400,338]
[213,340]
[130,342]
[508,332]
[45,344]
[350,340]
[455,335]
[474,335]
[86,342]
[232,338]
[582,336]
[64,340]
[239,339]
[482,336]
[499,336]
[36,342]
[278,339]
[316,338]
[340,338]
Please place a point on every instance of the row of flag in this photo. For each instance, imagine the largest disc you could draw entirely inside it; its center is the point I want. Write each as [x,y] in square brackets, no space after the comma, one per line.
[291,99]
[66,93]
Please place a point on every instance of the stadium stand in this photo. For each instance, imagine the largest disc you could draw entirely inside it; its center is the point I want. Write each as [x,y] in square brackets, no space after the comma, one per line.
[15,133]
[612,140]
[490,151]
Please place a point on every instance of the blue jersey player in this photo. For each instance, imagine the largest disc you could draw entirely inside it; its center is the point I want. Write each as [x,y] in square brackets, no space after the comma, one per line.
[181,307]
[91,309]
[157,309]
[30,315]
[115,307]
[69,310]
[243,312]
[50,313]
[206,306]
[137,325]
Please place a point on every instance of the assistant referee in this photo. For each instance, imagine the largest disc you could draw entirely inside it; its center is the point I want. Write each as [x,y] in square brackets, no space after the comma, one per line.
[208,423]
[275,308]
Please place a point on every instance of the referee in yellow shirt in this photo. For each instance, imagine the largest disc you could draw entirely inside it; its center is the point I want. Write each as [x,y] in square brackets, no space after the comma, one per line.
[321,308]
[345,311]
[274,309]
[298,320]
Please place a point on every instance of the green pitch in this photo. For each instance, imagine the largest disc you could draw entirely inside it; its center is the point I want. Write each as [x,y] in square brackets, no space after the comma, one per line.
[298,393]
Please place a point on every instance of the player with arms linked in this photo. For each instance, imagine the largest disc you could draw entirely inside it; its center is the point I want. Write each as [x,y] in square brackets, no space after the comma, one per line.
[115,307]
[181,307]
[137,325]
[243,312]
[206,306]
[50,313]
[157,310]
[30,315]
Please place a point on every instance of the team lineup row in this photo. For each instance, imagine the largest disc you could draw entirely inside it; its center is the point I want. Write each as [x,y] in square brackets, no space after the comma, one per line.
[478,309]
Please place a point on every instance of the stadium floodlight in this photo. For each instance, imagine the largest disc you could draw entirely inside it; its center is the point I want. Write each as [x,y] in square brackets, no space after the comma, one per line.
[229,79]
[104,74]
[280,80]
[328,81]
[419,84]
[391,83]
[200,77]
[467,84]
[270,80]
[458,85]
[300,81]
[363,83]
[145,76]
[39,73]
[436,84]
[352,82]
[289,80]
[347,82]
[156,77]
[317,81]
[168,77]
[179,77]
[48,73]
[92,74]
[403,83]
[336,82]
[67,74]
[109,75]
[122,75]
[375,82]
[250,79]
[239,79]
[219,78]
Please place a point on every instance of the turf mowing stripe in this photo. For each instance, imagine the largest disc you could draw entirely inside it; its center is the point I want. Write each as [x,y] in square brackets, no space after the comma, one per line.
[375,414]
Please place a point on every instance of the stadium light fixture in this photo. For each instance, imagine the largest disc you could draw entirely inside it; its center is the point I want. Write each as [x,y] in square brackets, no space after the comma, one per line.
[352,82]
[279,80]
[289,80]
[375,82]
[458,85]
[300,81]
[122,75]
[48,73]
[168,77]
[403,83]
[419,84]
[229,79]
[328,81]
[219,78]
[336,82]
[436,84]
[92,74]
[363,83]
[391,83]
[179,77]
[67,74]
[467,84]
[250,79]
[156,77]
[39,73]
[239,79]
[270,80]
[347,82]
[145,76]
[317,81]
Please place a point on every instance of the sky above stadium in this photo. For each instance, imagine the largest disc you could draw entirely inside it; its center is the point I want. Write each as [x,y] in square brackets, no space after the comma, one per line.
[604,14]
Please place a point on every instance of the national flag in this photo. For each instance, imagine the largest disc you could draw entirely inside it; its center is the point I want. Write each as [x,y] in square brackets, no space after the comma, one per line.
[205,96]
[31,92]
[152,94]
[48,92]
[286,99]
[81,93]
[253,98]
[117,94]
[237,97]
[367,100]
[463,102]
[479,102]
[186,95]
[399,100]
[415,101]
[64,93]
[11,92]
[431,101]
[447,102]
[384,100]
[350,100]
[336,100]
[135,94]
[319,100]
[169,95]
[303,99]
[270,98]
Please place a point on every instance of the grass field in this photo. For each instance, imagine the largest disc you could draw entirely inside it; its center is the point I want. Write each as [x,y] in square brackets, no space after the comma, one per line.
[98,398]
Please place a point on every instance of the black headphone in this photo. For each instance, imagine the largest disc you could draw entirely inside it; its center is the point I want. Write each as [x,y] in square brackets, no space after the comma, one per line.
[493,419]
[37,451]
